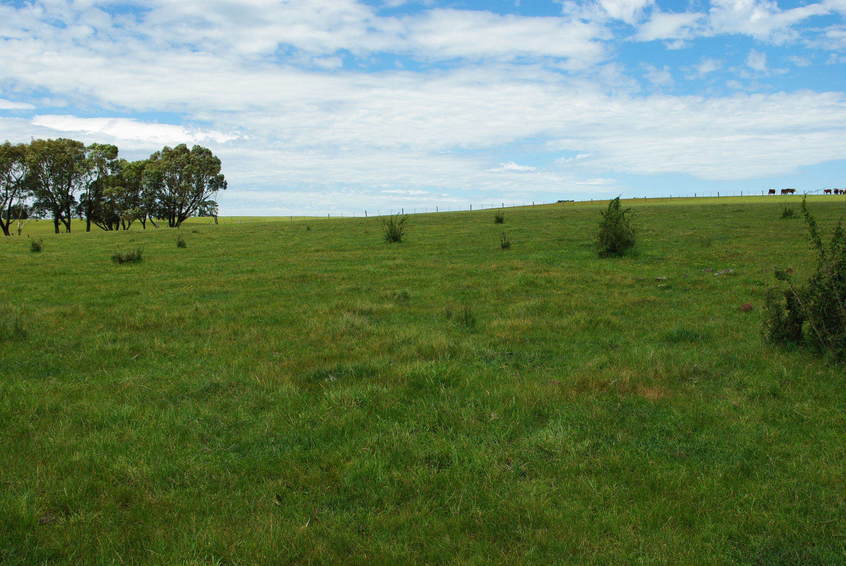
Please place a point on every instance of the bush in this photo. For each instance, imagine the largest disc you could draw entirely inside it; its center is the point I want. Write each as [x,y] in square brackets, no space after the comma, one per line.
[36,246]
[180,242]
[813,314]
[11,323]
[616,234]
[783,318]
[394,227]
[133,256]
[504,241]
[788,212]
[499,218]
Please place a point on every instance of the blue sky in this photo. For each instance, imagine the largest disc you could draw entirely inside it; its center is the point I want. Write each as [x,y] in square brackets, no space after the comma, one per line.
[335,106]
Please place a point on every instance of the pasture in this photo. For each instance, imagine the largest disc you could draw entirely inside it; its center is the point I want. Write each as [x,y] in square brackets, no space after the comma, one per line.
[301,392]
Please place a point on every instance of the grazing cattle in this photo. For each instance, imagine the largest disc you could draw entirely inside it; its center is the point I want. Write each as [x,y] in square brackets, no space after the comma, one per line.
[827,191]
[771,192]
[788,191]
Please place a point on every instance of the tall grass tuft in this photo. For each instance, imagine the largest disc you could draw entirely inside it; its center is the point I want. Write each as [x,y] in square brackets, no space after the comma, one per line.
[461,316]
[36,246]
[133,256]
[616,234]
[788,213]
[499,217]
[394,227]
[504,241]
[180,242]
[11,323]
[813,313]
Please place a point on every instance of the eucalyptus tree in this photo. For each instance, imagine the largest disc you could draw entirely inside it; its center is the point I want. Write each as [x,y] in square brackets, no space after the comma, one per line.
[101,161]
[57,170]
[119,203]
[13,189]
[184,180]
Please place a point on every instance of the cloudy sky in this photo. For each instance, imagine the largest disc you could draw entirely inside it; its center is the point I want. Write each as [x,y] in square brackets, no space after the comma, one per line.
[319,106]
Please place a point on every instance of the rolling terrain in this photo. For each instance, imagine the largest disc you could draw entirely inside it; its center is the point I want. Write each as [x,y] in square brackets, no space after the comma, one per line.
[302,392]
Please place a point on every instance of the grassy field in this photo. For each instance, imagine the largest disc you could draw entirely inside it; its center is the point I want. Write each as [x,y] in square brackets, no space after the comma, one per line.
[303,393]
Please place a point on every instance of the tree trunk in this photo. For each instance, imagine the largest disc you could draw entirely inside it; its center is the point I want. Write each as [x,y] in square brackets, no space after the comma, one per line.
[56,223]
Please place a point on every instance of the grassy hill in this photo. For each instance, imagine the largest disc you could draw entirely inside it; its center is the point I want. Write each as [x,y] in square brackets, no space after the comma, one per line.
[301,392]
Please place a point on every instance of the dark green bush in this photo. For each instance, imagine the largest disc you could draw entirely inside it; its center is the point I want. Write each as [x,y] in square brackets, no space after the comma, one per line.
[180,242]
[783,317]
[499,218]
[134,256]
[504,241]
[788,213]
[394,227]
[616,234]
[813,313]
[36,246]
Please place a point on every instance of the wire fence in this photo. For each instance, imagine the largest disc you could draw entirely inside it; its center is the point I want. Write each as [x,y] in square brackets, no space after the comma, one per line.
[470,207]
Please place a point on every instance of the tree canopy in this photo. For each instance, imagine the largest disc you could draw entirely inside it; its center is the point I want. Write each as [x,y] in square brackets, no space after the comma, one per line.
[64,178]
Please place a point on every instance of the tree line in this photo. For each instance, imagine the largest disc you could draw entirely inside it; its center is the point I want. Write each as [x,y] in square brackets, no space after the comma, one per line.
[65,179]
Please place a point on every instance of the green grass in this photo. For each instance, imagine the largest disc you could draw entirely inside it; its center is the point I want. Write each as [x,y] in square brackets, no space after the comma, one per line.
[275,395]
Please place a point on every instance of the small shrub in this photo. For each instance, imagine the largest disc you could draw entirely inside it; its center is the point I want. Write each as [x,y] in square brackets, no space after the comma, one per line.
[180,242]
[813,313]
[499,218]
[36,246]
[789,212]
[134,256]
[462,316]
[11,323]
[504,241]
[394,227]
[616,234]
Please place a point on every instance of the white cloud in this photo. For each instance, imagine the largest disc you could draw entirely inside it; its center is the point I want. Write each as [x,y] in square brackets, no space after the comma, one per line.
[629,11]
[511,166]
[761,19]
[707,66]
[10,105]
[131,130]
[756,61]
[464,33]
[663,25]
[658,76]
[799,61]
